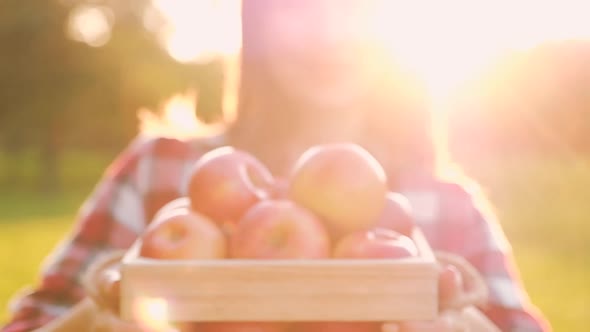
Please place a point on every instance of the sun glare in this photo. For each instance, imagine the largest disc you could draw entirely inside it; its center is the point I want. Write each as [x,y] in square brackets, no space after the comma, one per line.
[90,24]
[444,42]
[447,42]
[199,30]
[177,119]
[152,313]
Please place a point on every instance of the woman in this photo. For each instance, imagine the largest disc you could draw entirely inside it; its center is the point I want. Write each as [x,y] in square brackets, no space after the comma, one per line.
[309,75]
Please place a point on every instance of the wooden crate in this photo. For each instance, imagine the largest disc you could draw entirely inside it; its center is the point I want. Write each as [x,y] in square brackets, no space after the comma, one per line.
[283,290]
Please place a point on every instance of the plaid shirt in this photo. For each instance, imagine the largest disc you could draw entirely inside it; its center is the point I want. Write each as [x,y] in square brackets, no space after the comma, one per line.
[151,171]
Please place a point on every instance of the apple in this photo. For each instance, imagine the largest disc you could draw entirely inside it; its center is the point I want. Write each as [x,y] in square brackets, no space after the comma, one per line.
[275,229]
[177,203]
[225,182]
[375,243]
[397,214]
[342,183]
[337,327]
[183,234]
[242,327]
[450,283]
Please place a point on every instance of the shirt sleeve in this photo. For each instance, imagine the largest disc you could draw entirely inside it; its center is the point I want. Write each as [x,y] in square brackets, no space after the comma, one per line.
[102,224]
[472,231]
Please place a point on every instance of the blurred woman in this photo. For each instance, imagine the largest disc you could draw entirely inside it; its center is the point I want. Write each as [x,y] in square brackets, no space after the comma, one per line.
[309,74]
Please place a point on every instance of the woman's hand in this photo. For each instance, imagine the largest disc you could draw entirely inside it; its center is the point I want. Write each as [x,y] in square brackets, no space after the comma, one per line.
[460,289]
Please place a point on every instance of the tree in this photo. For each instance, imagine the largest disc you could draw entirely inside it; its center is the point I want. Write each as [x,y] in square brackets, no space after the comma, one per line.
[56,92]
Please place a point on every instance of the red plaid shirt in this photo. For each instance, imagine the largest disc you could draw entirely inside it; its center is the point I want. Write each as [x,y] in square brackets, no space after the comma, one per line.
[150,172]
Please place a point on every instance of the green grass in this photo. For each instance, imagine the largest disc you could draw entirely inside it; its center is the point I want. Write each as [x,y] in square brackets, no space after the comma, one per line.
[23,246]
[543,208]
[541,204]
[32,223]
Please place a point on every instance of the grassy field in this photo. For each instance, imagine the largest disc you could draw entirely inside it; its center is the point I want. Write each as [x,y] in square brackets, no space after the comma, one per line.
[543,208]
[541,204]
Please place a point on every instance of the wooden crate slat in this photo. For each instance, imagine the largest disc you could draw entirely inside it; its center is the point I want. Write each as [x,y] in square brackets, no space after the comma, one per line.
[285,290]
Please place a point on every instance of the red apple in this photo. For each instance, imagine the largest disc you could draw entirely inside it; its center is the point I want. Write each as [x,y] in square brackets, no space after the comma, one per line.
[450,283]
[337,327]
[226,182]
[183,234]
[375,243]
[177,203]
[274,229]
[397,214]
[242,327]
[342,183]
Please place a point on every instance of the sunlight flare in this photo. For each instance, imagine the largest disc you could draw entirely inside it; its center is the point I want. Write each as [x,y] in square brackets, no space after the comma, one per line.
[176,119]
[152,313]
[90,24]
[443,42]
[199,30]
[446,43]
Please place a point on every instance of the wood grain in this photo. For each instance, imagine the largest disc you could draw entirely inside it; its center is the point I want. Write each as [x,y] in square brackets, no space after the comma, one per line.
[284,290]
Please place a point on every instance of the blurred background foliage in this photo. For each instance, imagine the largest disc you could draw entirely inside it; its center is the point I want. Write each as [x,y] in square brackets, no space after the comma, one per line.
[530,102]
[58,93]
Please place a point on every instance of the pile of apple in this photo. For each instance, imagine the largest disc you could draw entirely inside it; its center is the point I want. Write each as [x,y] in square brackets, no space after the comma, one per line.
[335,203]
